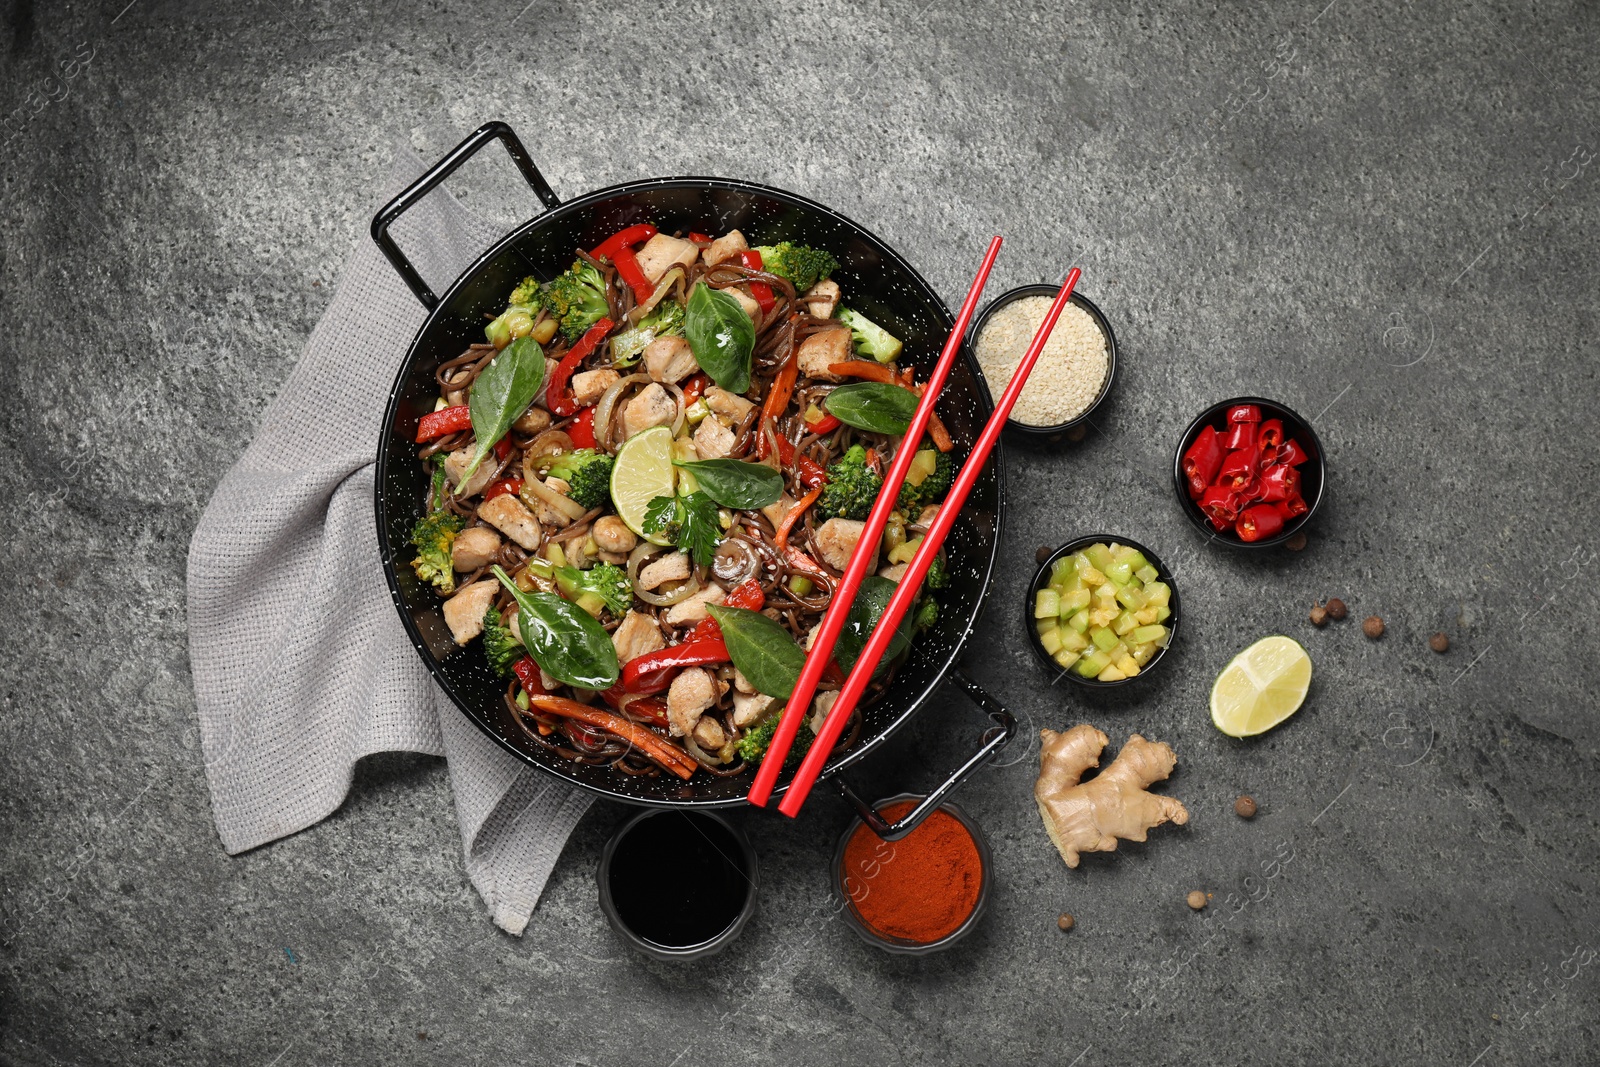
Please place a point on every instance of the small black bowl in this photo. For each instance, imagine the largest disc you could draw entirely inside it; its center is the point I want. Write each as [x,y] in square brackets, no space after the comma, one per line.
[1028,429]
[1041,578]
[1313,473]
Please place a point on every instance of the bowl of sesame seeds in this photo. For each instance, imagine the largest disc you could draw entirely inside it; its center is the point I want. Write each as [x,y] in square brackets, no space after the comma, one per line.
[1074,372]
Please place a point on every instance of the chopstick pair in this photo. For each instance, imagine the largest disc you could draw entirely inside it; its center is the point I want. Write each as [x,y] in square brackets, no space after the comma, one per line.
[910,584]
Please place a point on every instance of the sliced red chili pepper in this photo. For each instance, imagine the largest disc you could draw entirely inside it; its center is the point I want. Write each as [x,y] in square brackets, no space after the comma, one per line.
[695,387]
[1202,460]
[623,238]
[653,672]
[1259,522]
[581,428]
[445,421]
[628,270]
[1240,435]
[501,488]
[1271,434]
[1220,505]
[1266,457]
[527,673]
[555,391]
[760,290]
[1280,483]
[1292,454]
[1244,413]
[1238,470]
[1294,506]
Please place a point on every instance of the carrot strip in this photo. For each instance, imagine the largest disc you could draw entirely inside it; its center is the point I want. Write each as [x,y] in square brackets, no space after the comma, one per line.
[937,431]
[782,539]
[782,389]
[680,763]
[871,370]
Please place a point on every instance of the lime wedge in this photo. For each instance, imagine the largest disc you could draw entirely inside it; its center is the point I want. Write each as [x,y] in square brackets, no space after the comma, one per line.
[1261,687]
[643,471]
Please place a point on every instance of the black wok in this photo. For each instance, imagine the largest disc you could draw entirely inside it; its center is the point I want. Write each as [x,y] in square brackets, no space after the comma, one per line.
[874,278]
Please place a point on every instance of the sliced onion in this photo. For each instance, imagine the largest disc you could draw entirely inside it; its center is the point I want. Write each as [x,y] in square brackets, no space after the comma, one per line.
[662,288]
[705,758]
[548,443]
[565,505]
[689,588]
[677,394]
[608,405]
[641,552]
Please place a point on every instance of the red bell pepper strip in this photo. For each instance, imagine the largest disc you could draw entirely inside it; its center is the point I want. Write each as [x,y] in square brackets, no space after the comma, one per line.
[1240,435]
[802,562]
[502,448]
[1292,454]
[653,672]
[1270,434]
[1202,461]
[527,673]
[1244,413]
[695,387]
[1280,483]
[555,391]
[1294,507]
[1259,522]
[782,538]
[628,270]
[1238,470]
[581,429]
[501,488]
[760,290]
[812,474]
[445,421]
[623,238]
[825,423]
[699,238]
[747,595]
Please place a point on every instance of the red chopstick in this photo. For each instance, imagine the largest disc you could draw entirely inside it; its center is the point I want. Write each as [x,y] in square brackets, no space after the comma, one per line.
[910,585]
[844,593]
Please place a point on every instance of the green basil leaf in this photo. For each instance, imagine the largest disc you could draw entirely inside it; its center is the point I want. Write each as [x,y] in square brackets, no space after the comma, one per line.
[721,336]
[876,406]
[566,641]
[865,611]
[762,649]
[733,483]
[503,390]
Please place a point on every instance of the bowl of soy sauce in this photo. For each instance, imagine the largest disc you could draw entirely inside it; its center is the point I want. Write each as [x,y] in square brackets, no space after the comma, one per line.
[678,885]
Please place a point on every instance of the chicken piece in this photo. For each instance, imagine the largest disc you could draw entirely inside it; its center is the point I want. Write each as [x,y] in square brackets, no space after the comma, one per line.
[611,534]
[709,735]
[463,613]
[511,517]
[822,348]
[694,608]
[661,253]
[474,548]
[692,692]
[589,386]
[548,515]
[746,301]
[455,464]
[749,707]
[777,511]
[894,573]
[820,708]
[673,567]
[822,299]
[837,538]
[728,245]
[741,684]
[731,406]
[653,406]
[926,516]
[670,359]
[712,440]
[535,420]
[637,635]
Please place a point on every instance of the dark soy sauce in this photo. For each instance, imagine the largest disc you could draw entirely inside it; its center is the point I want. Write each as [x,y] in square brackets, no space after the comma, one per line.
[679,879]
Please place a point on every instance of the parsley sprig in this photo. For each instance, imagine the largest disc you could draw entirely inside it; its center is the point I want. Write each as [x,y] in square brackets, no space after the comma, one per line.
[689,522]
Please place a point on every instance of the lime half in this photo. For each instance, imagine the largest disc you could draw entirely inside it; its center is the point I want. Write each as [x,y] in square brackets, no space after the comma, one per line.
[1261,687]
[643,471]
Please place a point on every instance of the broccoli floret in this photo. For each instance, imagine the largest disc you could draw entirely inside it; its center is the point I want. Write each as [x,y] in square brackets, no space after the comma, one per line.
[500,646]
[606,582]
[933,471]
[577,299]
[666,319]
[938,573]
[588,473]
[528,294]
[852,487]
[517,319]
[753,745]
[433,536]
[871,339]
[803,266]
[927,612]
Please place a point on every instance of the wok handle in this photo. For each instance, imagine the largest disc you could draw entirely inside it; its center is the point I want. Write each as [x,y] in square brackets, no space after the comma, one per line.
[489,131]
[995,738]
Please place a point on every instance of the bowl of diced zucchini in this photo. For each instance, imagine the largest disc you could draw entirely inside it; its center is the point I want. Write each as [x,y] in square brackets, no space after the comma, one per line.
[1102,610]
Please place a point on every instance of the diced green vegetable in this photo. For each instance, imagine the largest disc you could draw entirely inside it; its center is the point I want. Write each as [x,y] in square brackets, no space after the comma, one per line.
[1046,603]
[1103,638]
[1092,664]
[1148,634]
[1146,574]
[1100,556]
[1074,602]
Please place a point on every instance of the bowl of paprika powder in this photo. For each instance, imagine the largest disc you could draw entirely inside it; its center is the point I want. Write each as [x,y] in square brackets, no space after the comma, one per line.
[1249,472]
[917,895]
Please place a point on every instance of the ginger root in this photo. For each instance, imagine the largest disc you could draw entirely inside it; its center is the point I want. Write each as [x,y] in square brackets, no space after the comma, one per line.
[1091,816]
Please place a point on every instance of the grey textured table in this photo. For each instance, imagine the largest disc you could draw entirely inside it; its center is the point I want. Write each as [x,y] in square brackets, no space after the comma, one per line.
[1384,216]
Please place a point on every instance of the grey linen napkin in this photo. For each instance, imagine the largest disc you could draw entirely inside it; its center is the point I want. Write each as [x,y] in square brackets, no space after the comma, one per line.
[300,663]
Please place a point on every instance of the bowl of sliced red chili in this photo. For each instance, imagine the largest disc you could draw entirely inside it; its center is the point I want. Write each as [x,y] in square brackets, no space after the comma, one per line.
[1249,472]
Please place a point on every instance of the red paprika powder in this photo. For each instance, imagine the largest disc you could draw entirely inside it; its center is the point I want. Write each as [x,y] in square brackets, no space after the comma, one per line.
[920,888]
